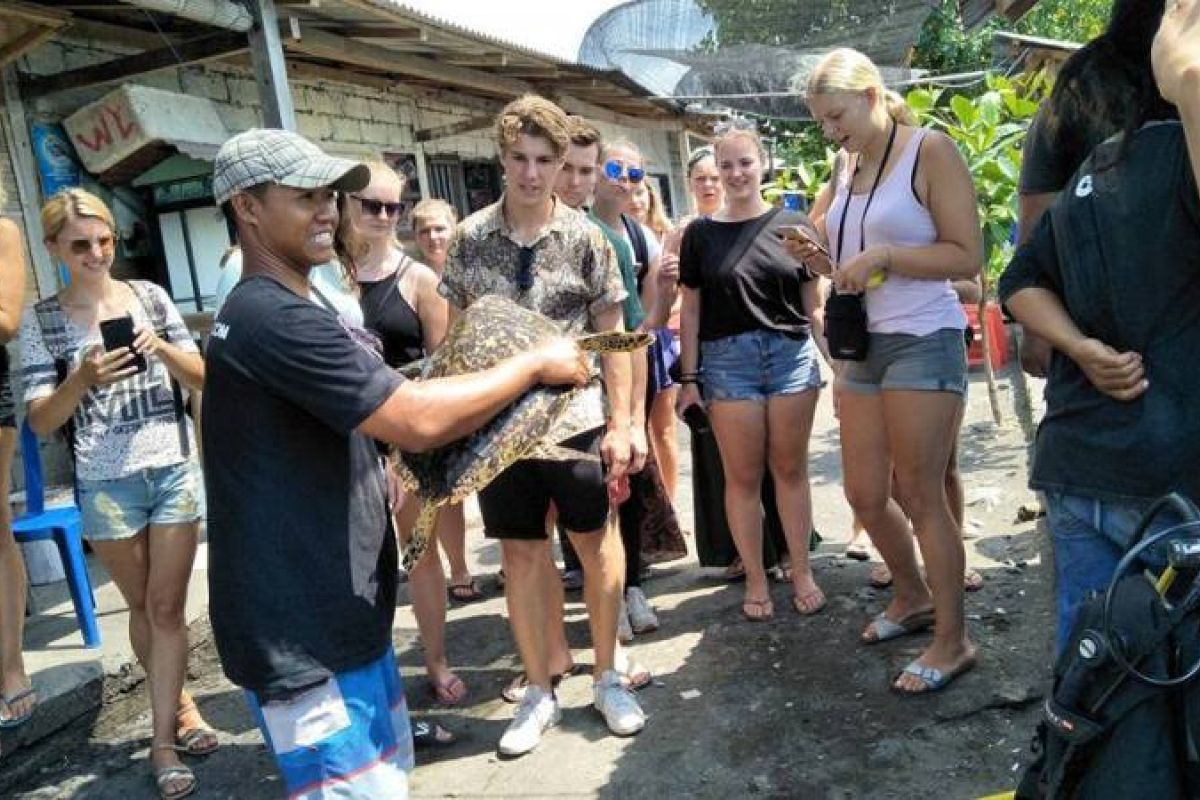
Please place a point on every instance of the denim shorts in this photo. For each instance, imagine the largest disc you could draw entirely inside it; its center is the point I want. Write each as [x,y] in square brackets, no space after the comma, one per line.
[757,365]
[936,362]
[1090,538]
[121,508]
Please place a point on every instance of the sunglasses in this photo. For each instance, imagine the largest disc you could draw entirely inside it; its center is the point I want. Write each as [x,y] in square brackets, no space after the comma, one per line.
[614,171]
[374,208]
[525,269]
[81,247]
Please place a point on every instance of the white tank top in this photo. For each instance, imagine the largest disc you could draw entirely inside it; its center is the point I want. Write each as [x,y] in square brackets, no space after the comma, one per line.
[916,306]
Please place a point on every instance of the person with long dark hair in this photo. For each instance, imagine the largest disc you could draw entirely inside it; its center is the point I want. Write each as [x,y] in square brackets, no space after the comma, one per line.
[1104,88]
[1110,279]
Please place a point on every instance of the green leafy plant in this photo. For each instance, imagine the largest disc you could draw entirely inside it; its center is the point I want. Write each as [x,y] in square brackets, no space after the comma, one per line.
[989,130]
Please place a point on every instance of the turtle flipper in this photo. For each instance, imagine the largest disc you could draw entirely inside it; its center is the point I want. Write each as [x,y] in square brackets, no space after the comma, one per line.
[421,536]
[615,341]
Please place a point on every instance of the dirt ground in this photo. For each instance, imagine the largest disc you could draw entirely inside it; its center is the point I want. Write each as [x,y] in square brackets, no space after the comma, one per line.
[794,708]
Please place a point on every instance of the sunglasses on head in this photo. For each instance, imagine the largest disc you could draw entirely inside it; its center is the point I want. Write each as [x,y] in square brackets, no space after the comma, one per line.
[375,207]
[614,171]
[735,124]
[525,269]
[81,247]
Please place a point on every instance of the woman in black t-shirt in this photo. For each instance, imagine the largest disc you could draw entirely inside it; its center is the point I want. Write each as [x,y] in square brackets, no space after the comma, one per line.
[401,304]
[746,311]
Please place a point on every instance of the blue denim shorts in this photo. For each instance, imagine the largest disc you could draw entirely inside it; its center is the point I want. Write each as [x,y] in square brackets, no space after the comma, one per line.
[1090,538]
[757,365]
[121,508]
[936,362]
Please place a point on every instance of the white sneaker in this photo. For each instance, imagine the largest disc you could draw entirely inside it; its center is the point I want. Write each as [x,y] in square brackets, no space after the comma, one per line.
[618,705]
[624,629]
[537,712]
[641,615]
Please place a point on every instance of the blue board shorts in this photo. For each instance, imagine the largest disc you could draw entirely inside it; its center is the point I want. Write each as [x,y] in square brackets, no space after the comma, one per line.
[348,738]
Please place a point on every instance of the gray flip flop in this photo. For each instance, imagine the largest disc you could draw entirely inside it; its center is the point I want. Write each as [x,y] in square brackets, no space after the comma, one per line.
[934,679]
[886,629]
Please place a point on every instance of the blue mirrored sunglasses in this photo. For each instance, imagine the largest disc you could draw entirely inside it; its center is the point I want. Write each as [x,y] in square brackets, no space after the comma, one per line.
[614,171]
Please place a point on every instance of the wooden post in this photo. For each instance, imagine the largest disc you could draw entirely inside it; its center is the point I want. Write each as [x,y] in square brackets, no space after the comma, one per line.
[25,171]
[270,68]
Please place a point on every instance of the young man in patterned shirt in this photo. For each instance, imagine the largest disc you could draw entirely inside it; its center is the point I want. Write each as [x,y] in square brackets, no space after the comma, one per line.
[536,250]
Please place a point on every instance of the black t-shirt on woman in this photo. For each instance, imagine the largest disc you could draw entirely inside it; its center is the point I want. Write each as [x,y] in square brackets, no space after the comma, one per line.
[760,292]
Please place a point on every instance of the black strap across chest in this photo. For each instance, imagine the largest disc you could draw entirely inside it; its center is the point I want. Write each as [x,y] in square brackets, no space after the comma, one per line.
[862,223]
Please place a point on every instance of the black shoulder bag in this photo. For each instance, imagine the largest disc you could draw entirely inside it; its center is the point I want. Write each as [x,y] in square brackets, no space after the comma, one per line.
[846,314]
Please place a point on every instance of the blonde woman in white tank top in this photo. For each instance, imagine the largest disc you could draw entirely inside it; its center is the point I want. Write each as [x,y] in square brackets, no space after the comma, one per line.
[901,222]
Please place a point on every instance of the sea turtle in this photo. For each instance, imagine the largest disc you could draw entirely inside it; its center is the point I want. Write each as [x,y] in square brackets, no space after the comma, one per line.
[489,331]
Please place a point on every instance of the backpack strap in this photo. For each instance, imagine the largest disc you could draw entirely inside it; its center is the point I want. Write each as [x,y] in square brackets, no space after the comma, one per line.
[156,310]
[52,325]
[641,251]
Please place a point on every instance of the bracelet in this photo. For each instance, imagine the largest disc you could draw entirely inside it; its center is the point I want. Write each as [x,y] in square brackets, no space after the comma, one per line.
[689,379]
[689,375]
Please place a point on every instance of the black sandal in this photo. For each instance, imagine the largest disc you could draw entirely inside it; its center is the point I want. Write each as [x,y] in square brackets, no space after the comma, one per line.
[427,734]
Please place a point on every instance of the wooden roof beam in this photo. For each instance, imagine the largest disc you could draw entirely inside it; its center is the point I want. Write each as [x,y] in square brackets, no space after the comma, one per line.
[206,48]
[319,43]
[405,33]
[469,125]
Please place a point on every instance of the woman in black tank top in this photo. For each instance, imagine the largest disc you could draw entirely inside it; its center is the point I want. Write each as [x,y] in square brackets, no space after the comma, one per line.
[401,304]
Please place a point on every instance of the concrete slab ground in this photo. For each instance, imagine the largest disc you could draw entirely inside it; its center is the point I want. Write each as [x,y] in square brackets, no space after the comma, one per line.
[792,708]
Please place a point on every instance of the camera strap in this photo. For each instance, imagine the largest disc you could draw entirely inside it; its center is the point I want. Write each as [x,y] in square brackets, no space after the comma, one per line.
[862,223]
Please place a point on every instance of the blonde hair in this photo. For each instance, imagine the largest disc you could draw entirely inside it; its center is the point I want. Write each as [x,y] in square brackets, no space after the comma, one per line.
[432,208]
[534,116]
[750,134]
[656,218]
[848,71]
[346,244]
[73,203]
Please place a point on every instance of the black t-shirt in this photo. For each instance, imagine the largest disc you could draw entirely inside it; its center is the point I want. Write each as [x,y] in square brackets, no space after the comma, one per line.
[760,292]
[302,561]
[1120,247]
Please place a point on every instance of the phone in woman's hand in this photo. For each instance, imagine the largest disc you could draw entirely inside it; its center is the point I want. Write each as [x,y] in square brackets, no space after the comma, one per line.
[117,333]
[800,233]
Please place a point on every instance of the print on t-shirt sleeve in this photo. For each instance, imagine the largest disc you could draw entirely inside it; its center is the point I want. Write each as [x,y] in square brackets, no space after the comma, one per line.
[177,332]
[605,285]
[36,365]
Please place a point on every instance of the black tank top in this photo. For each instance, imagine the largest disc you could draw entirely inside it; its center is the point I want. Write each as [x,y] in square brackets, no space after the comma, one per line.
[387,313]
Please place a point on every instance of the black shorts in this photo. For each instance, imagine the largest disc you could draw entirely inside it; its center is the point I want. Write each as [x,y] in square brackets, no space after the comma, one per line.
[8,406]
[515,504]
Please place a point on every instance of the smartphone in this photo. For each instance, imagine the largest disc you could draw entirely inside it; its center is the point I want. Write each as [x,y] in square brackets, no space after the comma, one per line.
[800,232]
[117,333]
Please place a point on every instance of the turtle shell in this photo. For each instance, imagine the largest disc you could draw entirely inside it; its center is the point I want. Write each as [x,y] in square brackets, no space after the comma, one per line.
[489,331]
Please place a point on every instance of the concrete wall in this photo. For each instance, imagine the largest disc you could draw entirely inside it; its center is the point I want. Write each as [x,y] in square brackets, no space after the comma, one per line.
[344,118]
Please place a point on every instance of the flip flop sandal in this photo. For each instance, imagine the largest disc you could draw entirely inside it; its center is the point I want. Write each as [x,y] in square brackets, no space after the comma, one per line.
[972,581]
[765,607]
[7,723]
[886,629]
[934,679]
[515,691]
[168,775]
[429,734]
[468,592]
[805,605]
[857,552]
[444,693]
[199,741]
[880,577]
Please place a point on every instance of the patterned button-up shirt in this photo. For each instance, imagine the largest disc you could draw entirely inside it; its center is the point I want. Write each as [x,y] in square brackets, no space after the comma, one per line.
[575,277]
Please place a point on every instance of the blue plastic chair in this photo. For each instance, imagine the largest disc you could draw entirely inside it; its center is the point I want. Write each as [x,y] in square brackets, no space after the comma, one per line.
[64,525]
